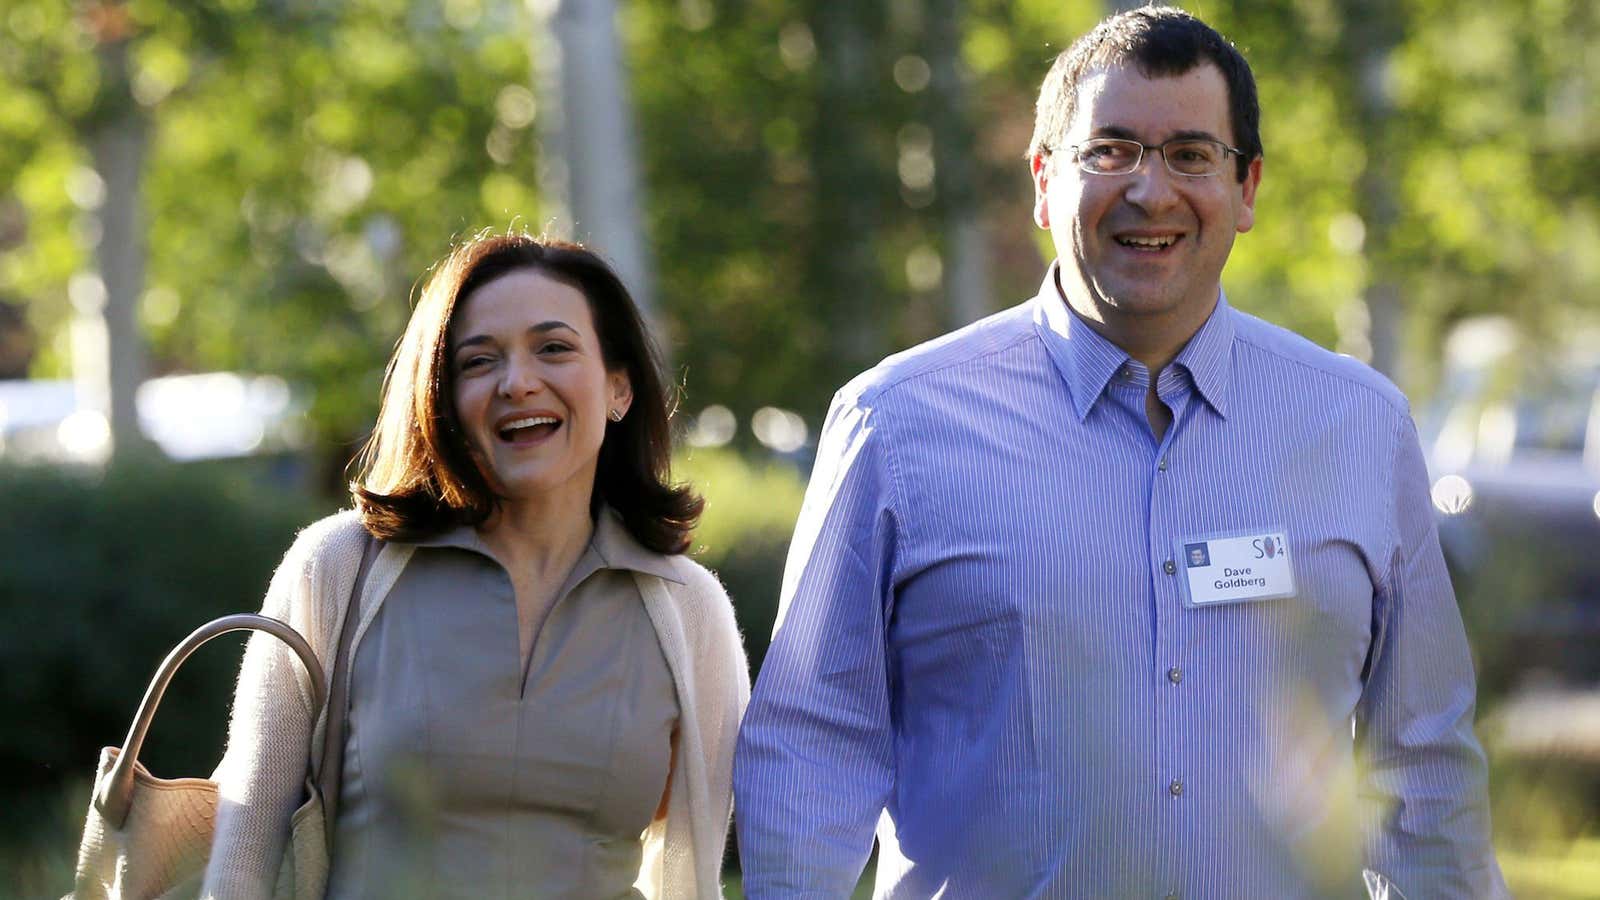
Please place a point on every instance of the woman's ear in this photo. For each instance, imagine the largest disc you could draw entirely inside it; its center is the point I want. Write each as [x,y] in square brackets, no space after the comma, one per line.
[620,390]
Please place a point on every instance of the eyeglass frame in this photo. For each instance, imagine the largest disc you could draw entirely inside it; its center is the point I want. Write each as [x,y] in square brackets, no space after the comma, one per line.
[1160,148]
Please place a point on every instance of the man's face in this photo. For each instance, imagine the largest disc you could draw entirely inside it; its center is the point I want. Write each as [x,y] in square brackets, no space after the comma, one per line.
[1150,245]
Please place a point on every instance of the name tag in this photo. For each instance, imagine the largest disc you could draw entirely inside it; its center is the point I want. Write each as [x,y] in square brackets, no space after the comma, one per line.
[1235,568]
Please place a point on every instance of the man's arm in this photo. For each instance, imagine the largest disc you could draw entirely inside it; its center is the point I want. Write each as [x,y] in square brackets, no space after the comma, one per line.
[813,768]
[1425,773]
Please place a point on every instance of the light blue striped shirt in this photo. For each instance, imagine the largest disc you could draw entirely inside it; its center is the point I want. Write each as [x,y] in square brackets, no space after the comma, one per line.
[983,635]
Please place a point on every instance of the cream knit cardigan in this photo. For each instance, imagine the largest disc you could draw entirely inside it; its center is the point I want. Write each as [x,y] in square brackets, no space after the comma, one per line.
[262,774]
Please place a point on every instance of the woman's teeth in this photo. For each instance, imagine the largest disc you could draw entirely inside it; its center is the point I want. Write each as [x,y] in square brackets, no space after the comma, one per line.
[511,429]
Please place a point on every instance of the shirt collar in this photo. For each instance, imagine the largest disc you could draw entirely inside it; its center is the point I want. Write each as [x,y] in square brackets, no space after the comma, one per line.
[1208,356]
[611,547]
[1088,362]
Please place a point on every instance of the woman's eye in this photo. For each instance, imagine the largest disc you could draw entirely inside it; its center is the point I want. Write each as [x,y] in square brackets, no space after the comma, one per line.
[555,347]
[475,362]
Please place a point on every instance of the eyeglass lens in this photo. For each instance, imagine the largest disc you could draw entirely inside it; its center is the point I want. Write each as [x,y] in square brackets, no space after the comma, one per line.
[1111,156]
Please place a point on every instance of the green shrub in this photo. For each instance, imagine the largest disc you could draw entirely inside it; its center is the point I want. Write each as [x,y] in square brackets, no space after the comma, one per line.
[751,508]
[102,574]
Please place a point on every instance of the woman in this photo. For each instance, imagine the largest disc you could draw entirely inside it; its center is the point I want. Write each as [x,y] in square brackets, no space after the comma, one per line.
[542,691]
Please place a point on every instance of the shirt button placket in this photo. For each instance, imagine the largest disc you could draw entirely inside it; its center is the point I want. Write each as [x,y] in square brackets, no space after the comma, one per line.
[1170,643]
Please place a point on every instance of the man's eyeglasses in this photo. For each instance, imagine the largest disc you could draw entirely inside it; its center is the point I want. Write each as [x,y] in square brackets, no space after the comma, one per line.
[1192,157]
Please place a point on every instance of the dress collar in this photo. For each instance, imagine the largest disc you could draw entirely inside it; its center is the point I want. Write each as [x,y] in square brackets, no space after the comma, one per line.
[611,547]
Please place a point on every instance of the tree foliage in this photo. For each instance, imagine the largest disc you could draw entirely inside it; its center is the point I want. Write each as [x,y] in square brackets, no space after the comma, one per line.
[309,160]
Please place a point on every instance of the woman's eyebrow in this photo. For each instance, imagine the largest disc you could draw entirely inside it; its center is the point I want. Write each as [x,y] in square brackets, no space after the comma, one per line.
[551,325]
[544,327]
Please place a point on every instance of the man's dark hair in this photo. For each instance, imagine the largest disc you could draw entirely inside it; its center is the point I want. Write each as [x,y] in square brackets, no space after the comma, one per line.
[417,474]
[1162,42]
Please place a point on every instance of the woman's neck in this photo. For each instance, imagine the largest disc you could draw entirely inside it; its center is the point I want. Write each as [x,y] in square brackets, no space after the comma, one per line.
[543,539]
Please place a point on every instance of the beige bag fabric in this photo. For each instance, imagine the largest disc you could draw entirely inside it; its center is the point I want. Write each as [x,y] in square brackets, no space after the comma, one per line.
[147,837]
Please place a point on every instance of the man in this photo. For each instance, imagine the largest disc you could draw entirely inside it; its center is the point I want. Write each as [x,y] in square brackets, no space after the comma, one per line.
[1121,592]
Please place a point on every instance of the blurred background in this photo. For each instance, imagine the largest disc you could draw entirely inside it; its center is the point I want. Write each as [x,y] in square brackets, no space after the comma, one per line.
[213,218]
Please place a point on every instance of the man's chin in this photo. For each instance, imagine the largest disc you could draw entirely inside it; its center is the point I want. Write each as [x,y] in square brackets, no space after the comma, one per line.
[1140,302]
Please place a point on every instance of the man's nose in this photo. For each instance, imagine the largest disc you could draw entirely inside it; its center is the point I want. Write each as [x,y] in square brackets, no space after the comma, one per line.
[1151,185]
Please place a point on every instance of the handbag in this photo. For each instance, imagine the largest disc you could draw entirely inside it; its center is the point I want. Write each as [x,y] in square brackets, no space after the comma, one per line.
[147,838]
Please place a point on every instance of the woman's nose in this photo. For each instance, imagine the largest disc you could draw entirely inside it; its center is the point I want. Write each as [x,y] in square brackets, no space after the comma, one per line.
[520,378]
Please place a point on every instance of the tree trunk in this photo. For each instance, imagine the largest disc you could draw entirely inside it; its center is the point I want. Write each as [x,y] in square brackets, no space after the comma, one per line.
[848,285]
[589,171]
[966,251]
[118,138]
[1372,31]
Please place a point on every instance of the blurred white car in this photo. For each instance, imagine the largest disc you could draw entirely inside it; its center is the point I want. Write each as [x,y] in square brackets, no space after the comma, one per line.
[1513,441]
[208,415]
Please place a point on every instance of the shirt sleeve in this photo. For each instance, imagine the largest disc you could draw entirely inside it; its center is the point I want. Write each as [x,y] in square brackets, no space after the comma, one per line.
[1425,776]
[814,768]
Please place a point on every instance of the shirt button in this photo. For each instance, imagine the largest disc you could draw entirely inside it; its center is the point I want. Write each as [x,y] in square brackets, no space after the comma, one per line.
[1163,467]
[1175,675]
[1175,788]
[1169,567]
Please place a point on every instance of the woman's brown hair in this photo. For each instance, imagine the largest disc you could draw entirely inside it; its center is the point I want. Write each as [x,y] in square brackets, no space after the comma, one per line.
[417,475]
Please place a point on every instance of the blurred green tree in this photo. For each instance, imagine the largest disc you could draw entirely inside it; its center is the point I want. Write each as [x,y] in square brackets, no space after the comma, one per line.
[306,163]
[815,173]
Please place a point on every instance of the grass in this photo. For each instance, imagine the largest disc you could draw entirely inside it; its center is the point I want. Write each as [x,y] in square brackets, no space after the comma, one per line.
[1557,873]
[1546,818]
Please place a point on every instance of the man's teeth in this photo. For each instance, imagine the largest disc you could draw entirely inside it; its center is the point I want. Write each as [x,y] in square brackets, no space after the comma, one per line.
[1155,243]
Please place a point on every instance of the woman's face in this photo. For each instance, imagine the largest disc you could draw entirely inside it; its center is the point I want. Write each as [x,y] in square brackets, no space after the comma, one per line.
[531,388]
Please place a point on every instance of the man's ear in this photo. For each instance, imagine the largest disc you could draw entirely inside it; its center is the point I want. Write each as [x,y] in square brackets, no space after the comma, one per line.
[1247,206]
[1039,167]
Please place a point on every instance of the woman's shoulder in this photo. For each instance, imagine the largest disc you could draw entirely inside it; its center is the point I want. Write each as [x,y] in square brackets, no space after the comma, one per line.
[335,538]
[701,598]
[692,579]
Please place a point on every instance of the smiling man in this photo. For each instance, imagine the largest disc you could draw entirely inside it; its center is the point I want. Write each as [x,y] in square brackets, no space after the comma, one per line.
[1121,592]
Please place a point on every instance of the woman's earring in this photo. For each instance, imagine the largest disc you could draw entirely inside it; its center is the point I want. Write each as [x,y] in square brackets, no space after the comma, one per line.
[616,415]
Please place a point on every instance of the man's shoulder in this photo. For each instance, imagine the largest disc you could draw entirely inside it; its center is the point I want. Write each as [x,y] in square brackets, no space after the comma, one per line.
[972,344]
[1275,346]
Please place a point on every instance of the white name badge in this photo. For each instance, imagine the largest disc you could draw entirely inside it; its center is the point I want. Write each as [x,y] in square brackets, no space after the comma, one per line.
[1235,568]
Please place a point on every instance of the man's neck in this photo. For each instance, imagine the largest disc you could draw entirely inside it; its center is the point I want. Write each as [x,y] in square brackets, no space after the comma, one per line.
[1153,340]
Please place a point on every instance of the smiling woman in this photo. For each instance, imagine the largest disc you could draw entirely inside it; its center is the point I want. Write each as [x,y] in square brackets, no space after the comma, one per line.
[419,472]
[532,390]
[518,475]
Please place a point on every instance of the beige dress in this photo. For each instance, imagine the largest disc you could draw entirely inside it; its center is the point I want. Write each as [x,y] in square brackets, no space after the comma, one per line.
[465,776]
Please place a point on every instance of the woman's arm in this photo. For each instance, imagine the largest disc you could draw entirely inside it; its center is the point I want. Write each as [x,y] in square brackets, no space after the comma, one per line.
[262,776]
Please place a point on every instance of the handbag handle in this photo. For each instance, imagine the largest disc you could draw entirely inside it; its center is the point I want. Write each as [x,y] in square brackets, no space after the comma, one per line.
[116,796]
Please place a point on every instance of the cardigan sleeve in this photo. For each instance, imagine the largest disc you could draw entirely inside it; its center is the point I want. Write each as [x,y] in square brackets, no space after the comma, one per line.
[724,677]
[684,854]
[719,649]
[261,777]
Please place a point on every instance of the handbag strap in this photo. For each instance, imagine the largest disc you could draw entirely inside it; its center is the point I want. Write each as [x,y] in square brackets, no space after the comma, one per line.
[116,794]
[331,769]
